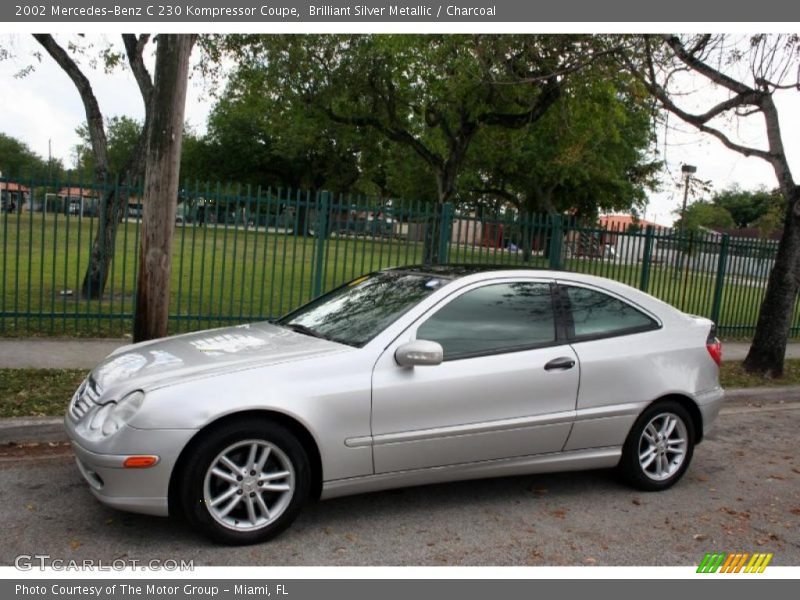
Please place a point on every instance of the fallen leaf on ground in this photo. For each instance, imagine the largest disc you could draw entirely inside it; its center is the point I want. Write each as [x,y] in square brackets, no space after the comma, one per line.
[700,537]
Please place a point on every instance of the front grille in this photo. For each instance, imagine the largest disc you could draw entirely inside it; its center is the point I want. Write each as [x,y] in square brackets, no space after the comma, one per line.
[86,398]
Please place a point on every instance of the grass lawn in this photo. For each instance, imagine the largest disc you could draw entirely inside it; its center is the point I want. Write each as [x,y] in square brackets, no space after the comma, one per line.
[37,392]
[227,274]
[46,392]
[733,376]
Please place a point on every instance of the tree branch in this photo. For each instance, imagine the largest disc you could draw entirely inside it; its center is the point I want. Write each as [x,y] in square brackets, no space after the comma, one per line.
[690,60]
[550,93]
[134,48]
[94,118]
[700,122]
[394,133]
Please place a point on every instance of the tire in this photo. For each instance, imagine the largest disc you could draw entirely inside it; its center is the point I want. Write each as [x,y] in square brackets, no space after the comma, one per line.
[266,505]
[650,461]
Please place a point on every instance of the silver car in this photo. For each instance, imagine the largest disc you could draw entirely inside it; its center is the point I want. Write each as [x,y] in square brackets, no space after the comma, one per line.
[403,377]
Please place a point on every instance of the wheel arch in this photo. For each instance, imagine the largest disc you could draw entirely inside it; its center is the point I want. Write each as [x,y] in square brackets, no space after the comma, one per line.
[293,425]
[691,407]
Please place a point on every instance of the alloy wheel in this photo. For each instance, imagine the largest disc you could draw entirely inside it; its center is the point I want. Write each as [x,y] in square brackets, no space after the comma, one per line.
[249,485]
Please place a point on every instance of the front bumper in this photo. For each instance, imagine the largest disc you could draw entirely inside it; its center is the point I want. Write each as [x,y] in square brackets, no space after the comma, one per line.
[141,490]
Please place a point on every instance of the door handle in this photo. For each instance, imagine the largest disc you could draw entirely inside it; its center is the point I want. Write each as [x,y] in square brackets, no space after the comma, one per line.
[560,364]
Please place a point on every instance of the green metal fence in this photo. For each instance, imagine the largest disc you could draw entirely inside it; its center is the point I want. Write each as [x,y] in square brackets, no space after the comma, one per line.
[242,254]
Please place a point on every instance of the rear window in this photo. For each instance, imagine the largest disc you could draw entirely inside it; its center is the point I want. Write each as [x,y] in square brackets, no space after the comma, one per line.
[595,314]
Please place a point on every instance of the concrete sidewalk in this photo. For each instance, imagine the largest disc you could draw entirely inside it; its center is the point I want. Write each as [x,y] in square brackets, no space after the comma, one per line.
[85,353]
[56,353]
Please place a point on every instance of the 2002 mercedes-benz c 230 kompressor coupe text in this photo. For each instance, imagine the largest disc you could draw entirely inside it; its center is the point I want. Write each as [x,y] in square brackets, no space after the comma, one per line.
[403,377]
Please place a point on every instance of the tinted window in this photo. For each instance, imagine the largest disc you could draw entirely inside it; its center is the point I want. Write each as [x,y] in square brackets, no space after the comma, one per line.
[358,311]
[598,314]
[493,318]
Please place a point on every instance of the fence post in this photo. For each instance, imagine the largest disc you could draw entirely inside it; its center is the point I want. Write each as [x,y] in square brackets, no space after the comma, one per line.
[556,242]
[716,306]
[321,231]
[647,257]
[445,232]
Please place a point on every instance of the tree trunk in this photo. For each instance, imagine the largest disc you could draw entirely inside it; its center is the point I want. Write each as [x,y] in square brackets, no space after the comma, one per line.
[768,349]
[112,211]
[445,187]
[111,207]
[159,202]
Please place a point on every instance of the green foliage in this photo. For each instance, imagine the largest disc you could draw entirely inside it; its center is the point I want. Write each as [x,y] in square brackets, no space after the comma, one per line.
[255,139]
[589,153]
[705,214]
[538,120]
[18,160]
[747,207]
[123,135]
[770,221]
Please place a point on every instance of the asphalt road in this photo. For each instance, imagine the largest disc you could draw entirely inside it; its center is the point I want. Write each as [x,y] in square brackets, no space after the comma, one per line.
[742,493]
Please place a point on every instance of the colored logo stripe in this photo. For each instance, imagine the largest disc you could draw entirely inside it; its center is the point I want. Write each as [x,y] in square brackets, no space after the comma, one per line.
[711,562]
[758,563]
[734,562]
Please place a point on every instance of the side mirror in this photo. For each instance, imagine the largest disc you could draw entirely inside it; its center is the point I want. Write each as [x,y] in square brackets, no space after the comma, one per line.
[419,352]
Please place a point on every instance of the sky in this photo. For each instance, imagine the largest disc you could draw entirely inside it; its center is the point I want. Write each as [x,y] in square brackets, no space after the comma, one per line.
[45,107]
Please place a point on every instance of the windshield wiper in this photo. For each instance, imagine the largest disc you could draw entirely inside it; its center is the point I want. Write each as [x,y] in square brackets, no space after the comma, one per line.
[306,330]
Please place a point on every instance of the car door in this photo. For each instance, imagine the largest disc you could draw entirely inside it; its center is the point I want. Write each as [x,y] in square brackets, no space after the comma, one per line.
[507,386]
[619,353]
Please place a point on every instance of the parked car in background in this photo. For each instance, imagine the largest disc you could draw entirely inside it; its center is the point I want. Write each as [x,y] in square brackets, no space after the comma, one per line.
[405,376]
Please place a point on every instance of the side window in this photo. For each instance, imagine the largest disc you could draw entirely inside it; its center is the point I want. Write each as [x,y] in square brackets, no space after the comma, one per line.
[493,318]
[596,314]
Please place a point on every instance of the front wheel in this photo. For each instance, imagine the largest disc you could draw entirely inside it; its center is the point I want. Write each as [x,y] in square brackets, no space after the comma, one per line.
[659,447]
[245,482]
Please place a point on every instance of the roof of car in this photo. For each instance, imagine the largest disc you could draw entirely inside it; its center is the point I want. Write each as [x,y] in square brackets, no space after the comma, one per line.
[456,271]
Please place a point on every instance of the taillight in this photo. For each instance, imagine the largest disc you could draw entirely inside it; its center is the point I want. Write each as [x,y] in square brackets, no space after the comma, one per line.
[714,346]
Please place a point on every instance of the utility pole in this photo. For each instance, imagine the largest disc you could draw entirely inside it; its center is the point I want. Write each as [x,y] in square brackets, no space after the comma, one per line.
[688,171]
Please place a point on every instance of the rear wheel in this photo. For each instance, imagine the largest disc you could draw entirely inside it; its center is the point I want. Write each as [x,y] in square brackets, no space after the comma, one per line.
[245,482]
[659,447]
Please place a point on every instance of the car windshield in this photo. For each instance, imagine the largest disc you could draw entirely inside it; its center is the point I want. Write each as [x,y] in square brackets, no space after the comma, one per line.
[358,311]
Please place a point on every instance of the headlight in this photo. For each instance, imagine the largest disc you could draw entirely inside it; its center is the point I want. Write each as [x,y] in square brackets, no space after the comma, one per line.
[100,416]
[118,413]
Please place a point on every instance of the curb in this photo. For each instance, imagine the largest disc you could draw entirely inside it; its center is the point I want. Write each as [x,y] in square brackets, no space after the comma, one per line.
[24,430]
[789,393]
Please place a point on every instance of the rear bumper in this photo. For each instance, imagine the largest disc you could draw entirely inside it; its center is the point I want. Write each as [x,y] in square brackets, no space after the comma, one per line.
[710,402]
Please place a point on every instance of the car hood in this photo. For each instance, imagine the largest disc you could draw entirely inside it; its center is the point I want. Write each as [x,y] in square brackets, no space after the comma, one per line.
[169,360]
